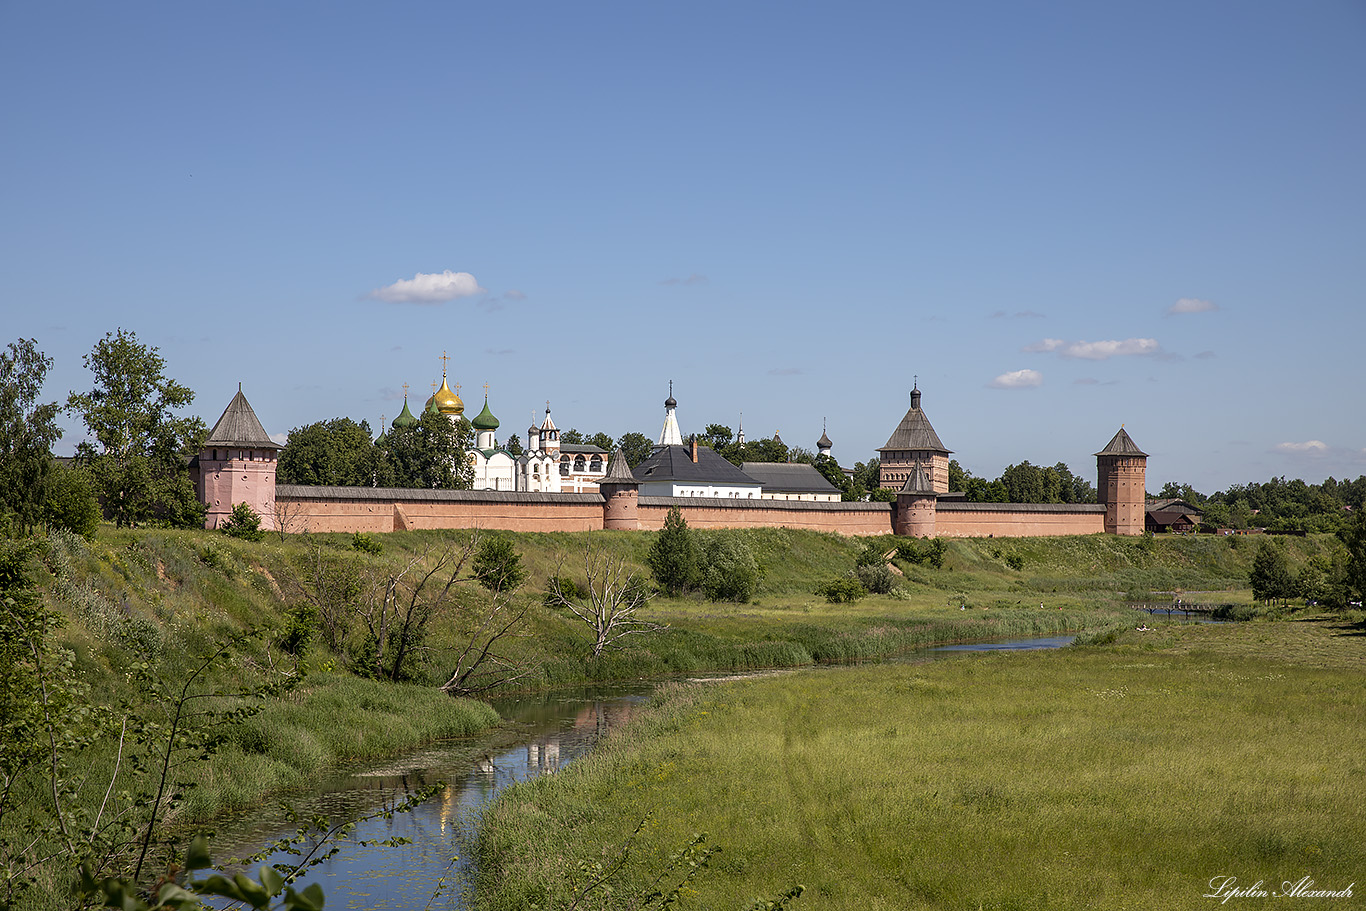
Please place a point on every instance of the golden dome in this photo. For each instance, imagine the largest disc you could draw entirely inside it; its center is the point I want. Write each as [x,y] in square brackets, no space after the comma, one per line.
[448,402]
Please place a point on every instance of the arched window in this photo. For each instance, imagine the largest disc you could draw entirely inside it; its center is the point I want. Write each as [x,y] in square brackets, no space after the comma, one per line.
[578,463]
[564,466]
[595,464]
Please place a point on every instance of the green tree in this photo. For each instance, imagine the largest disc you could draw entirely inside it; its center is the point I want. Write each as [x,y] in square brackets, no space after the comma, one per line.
[430,455]
[958,476]
[140,466]
[336,453]
[636,447]
[244,523]
[497,565]
[27,432]
[572,436]
[1353,536]
[1270,576]
[514,445]
[70,501]
[717,436]
[673,556]
[831,471]
[730,572]
[602,441]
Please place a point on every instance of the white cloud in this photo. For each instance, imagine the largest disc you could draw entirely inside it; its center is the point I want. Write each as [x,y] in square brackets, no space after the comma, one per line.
[281,438]
[1191,305]
[1018,379]
[1206,356]
[1308,447]
[429,288]
[1096,351]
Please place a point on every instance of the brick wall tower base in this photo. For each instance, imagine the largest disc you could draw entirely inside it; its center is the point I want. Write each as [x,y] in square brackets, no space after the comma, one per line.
[915,515]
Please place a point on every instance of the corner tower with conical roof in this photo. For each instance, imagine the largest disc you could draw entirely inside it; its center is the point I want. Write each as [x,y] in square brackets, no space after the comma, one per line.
[914,443]
[237,465]
[620,496]
[1121,470]
[916,505]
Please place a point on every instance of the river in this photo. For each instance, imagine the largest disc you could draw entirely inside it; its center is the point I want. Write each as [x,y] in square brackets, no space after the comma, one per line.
[546,731]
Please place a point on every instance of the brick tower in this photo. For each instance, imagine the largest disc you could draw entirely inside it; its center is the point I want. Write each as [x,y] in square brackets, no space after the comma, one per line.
[912,443]
[1121,470]
[621,496]
[237,465]
[916,504]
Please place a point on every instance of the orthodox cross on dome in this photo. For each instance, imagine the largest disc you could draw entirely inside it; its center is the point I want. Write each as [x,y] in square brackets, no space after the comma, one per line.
[457,388]
[405,392]
[486,389]
[444,359]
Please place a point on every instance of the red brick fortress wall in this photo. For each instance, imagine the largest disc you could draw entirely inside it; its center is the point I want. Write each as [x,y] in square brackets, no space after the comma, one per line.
[707,512]
[1017,520]
[372,509]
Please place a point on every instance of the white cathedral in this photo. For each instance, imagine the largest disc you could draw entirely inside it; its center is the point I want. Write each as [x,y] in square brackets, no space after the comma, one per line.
[545,466]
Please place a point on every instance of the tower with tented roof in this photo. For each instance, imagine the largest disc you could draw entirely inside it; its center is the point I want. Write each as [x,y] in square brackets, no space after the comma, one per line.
[237,465]
[1121,470]
[914,443]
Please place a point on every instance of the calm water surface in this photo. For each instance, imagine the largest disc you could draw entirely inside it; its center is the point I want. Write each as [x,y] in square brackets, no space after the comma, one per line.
[547,731]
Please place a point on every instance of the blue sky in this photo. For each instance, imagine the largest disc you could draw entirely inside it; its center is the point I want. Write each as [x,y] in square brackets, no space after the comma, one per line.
[1061,217]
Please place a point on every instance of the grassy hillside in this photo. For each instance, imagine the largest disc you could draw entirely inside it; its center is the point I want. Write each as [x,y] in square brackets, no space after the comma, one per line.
[142,611]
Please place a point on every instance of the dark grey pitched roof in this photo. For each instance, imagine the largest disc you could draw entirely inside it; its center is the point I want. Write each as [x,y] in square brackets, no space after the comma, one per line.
[794,477]
[1173,505]
[915,432]
[1122,445]
[797,506]
[618,472]
[584,448]
[674,463]
[239,426]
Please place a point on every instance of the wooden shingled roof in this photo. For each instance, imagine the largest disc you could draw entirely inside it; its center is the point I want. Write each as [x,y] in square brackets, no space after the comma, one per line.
[239,426]
[1122,445]
[915,432]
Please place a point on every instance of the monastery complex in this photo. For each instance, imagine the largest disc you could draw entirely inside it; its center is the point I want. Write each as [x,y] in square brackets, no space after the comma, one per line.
[566,487]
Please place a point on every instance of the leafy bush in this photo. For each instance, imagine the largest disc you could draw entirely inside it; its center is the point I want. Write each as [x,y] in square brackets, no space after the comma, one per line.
[932,551]
[70,502]
[731,572]
[301,622]
[877,578]
[244,523]
[497,565]
[1015,561]
[842,591]
[871,555]
[366,543]
[566,587]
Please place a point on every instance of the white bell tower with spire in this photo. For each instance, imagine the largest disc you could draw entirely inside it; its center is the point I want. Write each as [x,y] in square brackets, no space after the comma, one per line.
[670,435]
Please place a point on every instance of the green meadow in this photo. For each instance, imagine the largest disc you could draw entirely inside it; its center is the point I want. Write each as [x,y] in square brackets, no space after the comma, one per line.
[141,609]
[1127,775]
